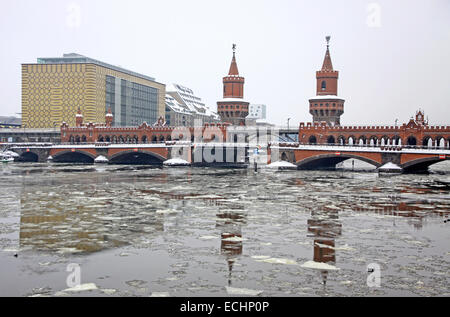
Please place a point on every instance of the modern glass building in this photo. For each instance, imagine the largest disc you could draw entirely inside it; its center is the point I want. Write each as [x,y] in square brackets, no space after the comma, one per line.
[54,89]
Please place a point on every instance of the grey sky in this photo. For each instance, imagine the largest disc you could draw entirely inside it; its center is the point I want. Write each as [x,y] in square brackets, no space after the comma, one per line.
[386,72]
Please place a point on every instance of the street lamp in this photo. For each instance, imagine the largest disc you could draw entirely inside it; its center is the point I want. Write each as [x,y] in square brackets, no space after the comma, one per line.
[288,123]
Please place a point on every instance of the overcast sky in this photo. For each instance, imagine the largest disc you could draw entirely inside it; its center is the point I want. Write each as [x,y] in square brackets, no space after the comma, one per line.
[393,56]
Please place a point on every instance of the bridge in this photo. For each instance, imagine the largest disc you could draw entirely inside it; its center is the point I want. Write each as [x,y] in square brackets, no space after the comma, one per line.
[325,156]
[87,153]
[305,156]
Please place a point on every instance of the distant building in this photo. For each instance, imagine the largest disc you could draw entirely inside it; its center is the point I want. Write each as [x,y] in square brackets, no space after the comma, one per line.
[55,88]
[183,107]
[257,111]
[10,122]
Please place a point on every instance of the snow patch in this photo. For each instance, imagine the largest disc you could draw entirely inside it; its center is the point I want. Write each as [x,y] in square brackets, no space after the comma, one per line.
[101,159]
[282,164]
[82,288]
[176,162]
[242,291]
[319,266]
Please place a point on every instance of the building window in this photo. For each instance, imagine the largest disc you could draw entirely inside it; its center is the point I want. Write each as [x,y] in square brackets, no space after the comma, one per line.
[324,85]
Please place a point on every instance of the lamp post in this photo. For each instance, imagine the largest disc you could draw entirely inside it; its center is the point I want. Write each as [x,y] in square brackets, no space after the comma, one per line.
[288,123]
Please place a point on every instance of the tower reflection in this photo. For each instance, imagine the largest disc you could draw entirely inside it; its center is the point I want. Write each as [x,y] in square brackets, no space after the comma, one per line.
[230,223]
[324,226]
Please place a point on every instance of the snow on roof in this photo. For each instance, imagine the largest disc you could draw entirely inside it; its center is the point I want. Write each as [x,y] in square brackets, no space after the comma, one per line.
[326,97]
[278,164]
[390,166]
[232,100]
[176,161]
[101,159]
[184,98]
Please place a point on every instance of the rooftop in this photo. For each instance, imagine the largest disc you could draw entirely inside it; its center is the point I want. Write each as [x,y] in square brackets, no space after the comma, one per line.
[74,58]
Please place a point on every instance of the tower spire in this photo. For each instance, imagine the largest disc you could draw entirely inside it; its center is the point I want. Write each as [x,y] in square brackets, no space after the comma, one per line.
[327,65]
[233,67]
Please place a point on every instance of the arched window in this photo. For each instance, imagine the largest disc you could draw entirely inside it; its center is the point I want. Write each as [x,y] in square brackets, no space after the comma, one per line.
[312,139]
[324,85]
[411,141]
[331,140]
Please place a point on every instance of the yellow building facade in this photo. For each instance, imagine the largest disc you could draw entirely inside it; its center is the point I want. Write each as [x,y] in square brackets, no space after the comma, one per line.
[53,92]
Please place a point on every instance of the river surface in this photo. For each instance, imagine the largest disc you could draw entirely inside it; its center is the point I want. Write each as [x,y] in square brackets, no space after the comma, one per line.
[141,231]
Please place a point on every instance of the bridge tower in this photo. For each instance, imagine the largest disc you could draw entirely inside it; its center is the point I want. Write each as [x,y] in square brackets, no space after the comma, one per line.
[326,105]
[233,108]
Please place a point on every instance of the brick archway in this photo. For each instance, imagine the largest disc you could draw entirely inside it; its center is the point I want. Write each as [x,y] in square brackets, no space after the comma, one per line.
[128,152]
[333,159]
[76,156]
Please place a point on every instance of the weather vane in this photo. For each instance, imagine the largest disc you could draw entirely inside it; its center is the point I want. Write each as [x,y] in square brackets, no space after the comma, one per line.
[328,39]
[234,48]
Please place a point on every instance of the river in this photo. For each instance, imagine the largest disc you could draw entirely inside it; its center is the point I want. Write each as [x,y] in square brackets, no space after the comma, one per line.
[143,231]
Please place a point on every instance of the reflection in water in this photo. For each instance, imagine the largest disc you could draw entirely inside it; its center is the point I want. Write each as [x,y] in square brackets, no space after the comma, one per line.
[72,222]
[173,217]
[324,227]
[230,223]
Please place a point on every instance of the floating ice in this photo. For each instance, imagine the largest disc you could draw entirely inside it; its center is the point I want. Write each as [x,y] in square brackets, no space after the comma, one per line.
[260,257]
[160,294]
[108,291]
[319,266]
[279,261]
[242,291]
[82,288]
[208,237]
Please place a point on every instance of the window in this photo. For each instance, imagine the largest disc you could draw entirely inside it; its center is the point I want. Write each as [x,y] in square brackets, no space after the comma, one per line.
[324,85]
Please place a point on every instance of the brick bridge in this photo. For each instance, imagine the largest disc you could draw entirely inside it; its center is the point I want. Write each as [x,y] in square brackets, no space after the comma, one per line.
[87,153]
[323,156]
[305,156]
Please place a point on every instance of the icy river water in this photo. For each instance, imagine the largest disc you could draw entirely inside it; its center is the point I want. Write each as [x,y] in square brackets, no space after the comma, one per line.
[140,231]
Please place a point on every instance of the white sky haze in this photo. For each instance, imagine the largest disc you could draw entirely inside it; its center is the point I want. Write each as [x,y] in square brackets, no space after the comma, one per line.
[393,56]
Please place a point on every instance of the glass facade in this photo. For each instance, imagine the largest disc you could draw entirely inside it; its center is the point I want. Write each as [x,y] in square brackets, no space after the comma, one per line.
[138,103]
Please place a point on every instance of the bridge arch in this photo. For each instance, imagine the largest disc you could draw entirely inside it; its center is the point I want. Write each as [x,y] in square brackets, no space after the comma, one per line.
[76,156]
[329,161]
[421,165]
[29,157]
[137,157]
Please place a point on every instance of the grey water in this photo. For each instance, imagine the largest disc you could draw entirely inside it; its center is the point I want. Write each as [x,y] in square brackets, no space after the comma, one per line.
[142,231]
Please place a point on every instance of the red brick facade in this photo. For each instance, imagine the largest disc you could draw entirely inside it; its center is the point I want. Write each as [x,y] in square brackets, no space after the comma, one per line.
[414,133]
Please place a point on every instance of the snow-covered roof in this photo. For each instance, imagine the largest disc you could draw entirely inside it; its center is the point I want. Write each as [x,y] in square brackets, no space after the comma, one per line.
[232,100]
[182,99]
[326,97]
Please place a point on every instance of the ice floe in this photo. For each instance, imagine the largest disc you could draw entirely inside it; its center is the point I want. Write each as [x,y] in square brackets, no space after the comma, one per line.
[242,291]
[160,294]
[278,261]
[319,266]
[82,288]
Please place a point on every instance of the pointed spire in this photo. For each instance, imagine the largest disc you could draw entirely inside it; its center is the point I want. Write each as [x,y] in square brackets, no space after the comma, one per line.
[233,67]
[327,65]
